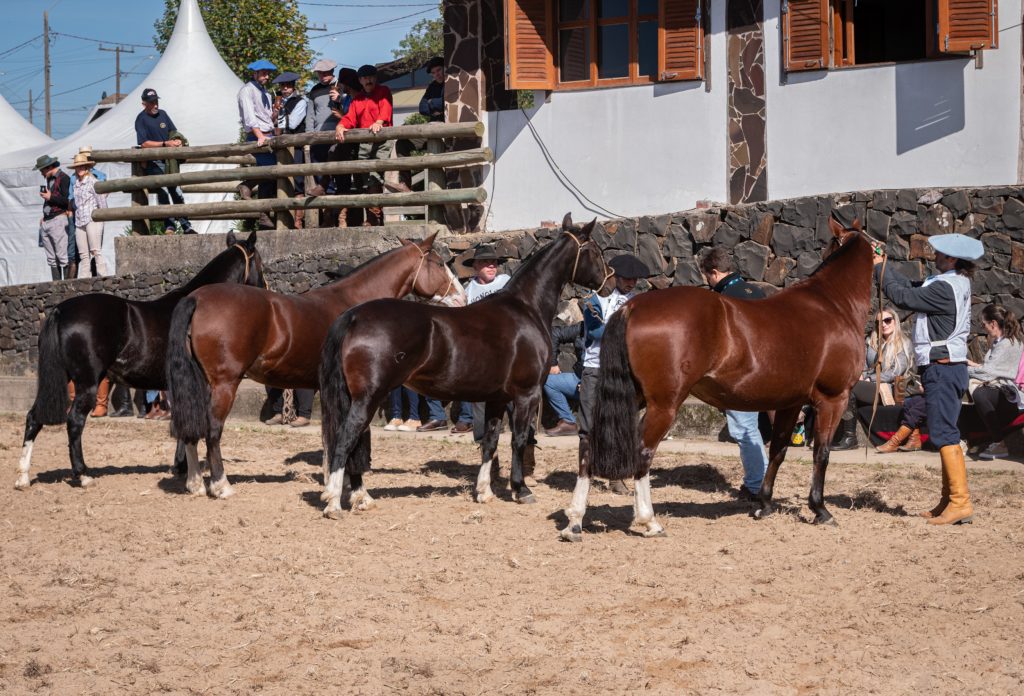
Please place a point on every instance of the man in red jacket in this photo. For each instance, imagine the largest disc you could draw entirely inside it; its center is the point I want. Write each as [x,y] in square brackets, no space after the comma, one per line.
[370,109]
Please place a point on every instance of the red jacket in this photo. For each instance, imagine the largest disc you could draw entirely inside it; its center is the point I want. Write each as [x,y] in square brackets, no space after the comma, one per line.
[369,108]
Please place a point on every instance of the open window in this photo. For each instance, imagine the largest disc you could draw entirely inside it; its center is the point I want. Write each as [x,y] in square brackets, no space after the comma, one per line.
[821,34]
[579,44]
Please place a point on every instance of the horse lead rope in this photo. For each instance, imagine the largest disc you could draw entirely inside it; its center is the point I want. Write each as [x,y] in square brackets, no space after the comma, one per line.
[576,263]
[248,258]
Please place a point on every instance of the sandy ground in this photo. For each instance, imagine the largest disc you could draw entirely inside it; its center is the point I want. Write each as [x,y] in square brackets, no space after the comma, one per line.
[134,587]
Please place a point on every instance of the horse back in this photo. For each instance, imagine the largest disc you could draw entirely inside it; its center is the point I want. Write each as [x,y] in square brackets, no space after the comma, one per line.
[93,330]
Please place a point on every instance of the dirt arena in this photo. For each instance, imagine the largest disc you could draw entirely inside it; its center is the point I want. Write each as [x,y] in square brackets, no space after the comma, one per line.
[134,587]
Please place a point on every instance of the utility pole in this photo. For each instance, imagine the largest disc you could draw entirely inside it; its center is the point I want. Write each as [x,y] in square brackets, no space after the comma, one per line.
[117,51]
[46,70]
[30,107]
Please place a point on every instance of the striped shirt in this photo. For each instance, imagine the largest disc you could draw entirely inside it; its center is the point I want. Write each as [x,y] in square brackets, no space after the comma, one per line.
[254,107]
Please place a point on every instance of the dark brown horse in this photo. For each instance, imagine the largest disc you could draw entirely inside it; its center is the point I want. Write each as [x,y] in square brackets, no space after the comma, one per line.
[496,351]
[803,345]
[224,333]
[89,337]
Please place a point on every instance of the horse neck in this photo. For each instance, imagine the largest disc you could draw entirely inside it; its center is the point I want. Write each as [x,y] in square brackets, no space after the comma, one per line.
[853,276]
[539,282]
[391,276]
[220,270]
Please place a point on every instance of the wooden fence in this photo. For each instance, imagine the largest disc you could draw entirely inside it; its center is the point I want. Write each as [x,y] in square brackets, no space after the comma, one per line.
[226,180]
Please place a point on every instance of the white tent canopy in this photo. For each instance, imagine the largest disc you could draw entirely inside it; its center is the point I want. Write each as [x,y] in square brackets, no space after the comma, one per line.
[198,91]
[18,132]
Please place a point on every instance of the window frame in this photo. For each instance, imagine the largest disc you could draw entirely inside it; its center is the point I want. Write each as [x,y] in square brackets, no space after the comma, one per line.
[592,22]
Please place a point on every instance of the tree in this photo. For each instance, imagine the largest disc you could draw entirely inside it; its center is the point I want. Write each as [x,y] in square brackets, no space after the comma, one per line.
[246,30]
[424,41]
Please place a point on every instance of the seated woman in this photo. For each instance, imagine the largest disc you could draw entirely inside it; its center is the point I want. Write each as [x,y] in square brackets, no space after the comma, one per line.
[998,399]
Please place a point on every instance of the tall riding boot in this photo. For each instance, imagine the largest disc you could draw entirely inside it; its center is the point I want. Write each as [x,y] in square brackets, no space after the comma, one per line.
[913,444]
[943,500]
[846,434]
[55,272]
[71,270]
[374,214]
[897,439]
[101,399]
[959,509]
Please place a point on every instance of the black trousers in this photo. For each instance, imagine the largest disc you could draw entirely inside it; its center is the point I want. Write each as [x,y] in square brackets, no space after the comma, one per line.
[303,401]
[994,409]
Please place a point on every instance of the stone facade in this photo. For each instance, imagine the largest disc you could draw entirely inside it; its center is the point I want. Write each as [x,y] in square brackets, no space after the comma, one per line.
[748,117]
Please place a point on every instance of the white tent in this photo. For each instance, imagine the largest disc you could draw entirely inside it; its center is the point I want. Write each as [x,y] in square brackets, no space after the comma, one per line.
[197,90]
[18,132]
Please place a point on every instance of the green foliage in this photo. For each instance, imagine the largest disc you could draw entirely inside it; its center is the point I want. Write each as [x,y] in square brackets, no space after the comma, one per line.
[246,30]
[415,119]
[524,98]
[424,41]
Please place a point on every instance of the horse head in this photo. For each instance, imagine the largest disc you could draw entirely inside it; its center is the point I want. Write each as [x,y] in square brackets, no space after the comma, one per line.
[432,278]
[841,235]
[589,266]
[252,271]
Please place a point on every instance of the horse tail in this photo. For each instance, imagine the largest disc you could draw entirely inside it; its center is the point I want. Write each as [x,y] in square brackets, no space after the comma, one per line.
[335,398]
[190,391]
[615,434]
[51,404]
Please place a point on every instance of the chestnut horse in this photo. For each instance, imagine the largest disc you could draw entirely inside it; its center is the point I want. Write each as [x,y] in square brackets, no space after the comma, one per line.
[223,333]
[803,345]
[496,350]
[89,337]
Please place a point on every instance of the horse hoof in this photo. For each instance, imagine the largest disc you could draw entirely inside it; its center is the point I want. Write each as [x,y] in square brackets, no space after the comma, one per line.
[825,520]
[22,483]
[761,513]
[196,487]
[333,513]
[325,495]
[571,534]
[655,533]
[222,492]
[364,505]
[485,497]
[528,499]
[86,481]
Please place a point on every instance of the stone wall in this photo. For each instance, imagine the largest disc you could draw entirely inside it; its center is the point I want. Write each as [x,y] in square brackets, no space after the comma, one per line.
[774,242]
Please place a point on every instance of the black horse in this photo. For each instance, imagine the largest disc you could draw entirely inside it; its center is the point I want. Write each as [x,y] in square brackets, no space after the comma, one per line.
[89,337]
[496,350]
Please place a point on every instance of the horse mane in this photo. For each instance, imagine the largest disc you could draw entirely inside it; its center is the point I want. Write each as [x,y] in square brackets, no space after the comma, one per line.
[352,270]
[218,264]
[533,260]
[841,252]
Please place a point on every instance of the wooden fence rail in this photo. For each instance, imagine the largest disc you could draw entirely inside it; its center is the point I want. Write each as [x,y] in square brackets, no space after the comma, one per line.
[225,180]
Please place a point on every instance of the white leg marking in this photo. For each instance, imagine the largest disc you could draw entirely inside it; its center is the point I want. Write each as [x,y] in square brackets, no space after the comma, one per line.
[576,510]
[483,484]
[221,488]
[86,481]
[23,465]
[361,500]
[194,481]
[643,509]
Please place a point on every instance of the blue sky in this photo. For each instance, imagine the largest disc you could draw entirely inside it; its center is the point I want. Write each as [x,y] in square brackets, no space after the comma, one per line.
[76,63]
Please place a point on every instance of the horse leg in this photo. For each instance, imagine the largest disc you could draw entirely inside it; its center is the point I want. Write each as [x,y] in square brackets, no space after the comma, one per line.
[523,413]
[352,435]
[32,428]
[493,413]
[657,420]
[85,401]
[828,415]
[221,398]
[179,466]
[782,430]
[359,498]
[194,483]
[578,507]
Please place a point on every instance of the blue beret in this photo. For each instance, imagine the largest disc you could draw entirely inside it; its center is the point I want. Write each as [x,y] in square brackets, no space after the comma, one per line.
[958,246]
[285,77]
[261,64]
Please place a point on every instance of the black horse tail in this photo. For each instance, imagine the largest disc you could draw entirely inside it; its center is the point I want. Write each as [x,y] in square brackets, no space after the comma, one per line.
[614,434]
[51,405]
[190,391]
[335,398]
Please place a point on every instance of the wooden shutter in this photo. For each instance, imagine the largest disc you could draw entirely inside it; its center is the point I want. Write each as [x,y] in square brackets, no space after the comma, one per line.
[966,25]
[805,34]
[680,41]
[529,37]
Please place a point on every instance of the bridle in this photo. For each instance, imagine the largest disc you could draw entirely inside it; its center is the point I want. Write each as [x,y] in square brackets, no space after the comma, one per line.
[579,251]
[419,267]
[248,260]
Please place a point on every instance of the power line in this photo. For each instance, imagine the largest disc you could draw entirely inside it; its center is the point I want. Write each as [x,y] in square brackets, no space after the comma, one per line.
[355,4]
[99,41]
[9,51]
[377,24]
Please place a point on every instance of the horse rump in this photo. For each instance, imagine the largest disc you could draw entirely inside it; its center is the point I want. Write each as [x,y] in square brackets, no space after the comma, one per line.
[614,433]
[51,404]
[336,400]
[190,391]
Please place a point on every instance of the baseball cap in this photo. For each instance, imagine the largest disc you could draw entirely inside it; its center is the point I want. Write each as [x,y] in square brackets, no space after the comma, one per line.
[149,95]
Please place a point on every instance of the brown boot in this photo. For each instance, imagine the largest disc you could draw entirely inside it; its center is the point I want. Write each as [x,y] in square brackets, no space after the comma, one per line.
[298,213]
[343,217]
[897,439]
[529,465]
[374,215]
[959,509]
[913,444]
[101,399]
[943,500]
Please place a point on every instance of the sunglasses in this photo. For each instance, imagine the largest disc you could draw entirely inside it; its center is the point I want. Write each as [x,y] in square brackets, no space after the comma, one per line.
[888,320]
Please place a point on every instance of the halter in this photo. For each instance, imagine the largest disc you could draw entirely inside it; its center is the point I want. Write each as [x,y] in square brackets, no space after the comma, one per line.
[579,250]
[419,267]
[248,258]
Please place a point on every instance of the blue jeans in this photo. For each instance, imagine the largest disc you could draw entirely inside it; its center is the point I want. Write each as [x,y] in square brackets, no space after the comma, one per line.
[944,387]
[434,408]
[559,389]
[743,428]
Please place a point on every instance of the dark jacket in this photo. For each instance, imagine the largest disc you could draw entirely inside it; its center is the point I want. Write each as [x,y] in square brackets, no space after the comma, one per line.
[433,101]
[937,301]
[733,285]
[573,333]
[59,186]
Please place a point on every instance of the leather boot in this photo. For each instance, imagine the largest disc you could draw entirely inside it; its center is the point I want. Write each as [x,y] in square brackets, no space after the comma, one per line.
[101,399]
[298,214]
[943,500]
[374,214]
[343,217]
[913,444]
[846,434]
[959,509]
[55,272]
[897,439]
[71,270]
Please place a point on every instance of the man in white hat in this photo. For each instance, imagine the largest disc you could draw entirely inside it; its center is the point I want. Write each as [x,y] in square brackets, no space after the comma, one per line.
[941,328]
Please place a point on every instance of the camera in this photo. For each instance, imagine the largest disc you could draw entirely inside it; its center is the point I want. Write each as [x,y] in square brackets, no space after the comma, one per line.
[42,188]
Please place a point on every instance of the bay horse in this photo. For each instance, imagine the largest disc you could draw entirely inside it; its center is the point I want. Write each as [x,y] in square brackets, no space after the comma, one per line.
[92,336]
[497,351]
[803,345]
[221,334]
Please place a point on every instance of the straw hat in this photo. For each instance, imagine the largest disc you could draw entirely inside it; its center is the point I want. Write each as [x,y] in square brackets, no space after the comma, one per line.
[82,160]
[87,149]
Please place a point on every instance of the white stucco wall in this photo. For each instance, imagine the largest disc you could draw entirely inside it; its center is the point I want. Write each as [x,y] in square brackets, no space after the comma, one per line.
[927,123]
[632,150]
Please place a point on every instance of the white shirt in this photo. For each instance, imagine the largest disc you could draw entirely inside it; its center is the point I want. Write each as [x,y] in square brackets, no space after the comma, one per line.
[478,291]
[254,107]
[296,117]
[609,306]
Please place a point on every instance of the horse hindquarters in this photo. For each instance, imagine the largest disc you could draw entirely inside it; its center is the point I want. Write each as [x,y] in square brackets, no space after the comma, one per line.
[190,392]
[51,404]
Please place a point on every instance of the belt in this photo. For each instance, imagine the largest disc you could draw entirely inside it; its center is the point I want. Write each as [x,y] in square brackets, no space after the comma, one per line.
[945,361]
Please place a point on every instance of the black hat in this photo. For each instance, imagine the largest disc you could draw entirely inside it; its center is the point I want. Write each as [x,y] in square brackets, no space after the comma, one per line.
[367,70]
[484,252]
[434,62]
[629,266]
[349,78]
[149,95]
[285,77]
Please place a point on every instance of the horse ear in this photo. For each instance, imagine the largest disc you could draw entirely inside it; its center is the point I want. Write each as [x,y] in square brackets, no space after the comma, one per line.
[836,228]
[230,239]
[567,222]
[856,225]
[251,241]
[406,242]
[588,228]
[428,243]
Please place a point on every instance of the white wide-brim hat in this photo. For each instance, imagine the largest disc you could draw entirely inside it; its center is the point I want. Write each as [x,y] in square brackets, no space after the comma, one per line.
[958,246]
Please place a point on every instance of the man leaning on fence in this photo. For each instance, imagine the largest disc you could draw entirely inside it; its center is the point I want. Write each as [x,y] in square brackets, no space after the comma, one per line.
[154,128]
[257,115]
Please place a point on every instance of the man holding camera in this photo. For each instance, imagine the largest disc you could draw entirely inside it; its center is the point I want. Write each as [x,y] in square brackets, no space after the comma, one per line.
[153,128]
[53,228]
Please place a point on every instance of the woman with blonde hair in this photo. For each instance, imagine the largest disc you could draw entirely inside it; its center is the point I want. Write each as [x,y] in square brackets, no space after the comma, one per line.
[88,232]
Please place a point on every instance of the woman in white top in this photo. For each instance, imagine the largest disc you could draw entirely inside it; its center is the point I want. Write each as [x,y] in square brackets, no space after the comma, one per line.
[88,232]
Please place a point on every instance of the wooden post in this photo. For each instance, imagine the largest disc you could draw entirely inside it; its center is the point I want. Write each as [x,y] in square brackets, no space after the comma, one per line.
[311,219]
[139,198]
[284,220]
[434,181]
